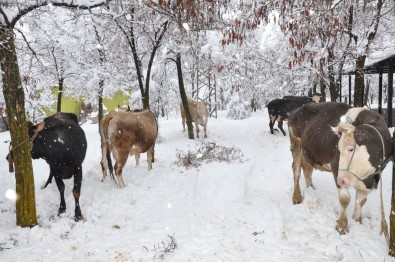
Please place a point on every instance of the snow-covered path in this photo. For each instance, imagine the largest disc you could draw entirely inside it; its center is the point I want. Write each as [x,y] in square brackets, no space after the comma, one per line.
[217,212]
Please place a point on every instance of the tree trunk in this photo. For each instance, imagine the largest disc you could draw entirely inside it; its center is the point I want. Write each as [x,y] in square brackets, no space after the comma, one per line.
[322,89]
[60,93]
[15,103]
[359,81]
[184,98]
[366,94]
[331,75]
[100,102]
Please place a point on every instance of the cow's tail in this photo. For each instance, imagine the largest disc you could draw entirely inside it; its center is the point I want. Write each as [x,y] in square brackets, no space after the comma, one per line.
[106,121]
[109,163]
[49,181]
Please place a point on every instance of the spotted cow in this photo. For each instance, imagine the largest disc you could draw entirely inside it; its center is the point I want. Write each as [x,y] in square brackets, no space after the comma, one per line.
[352,143]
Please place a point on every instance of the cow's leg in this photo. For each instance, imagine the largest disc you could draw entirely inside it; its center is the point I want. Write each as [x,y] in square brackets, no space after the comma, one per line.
[205,130]
[76,193]
[103,162]
[271,123]
[280,126]
[197,129]
[119,164]
[296,168]
[150,157]
[308,173]
[360,200]
[60,185]
[344,199]
[183,123]
[137,157]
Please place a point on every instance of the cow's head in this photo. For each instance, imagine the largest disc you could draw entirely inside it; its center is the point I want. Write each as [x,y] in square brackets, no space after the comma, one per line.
[201,108]
[316,98]
[361,154]
[33,131]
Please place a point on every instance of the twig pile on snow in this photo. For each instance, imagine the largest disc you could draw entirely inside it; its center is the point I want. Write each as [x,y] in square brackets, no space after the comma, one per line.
[208,152]
[163,248]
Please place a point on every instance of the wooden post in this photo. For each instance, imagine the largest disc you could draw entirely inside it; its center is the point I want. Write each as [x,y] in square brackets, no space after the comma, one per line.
[380,90]
[349,89]
[392,214]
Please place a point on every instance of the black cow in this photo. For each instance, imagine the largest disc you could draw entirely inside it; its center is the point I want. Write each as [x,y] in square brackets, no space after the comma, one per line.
[280,108]
[62,143]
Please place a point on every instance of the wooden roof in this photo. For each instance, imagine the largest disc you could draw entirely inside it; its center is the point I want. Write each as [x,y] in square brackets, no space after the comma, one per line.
[374,65]
[384,64]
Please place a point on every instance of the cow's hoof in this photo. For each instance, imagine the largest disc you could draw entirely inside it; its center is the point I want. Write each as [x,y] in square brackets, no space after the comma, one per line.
[297,198]
[61,211]
[78,218]
[341,230]
[358,219]
[342,226]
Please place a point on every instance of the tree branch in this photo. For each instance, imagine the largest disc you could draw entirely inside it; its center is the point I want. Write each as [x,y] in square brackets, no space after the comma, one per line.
[28,9]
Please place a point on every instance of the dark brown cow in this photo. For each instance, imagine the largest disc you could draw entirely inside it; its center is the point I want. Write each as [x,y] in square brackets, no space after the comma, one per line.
[280,108]
[123,133]
[62,143]
[352,143]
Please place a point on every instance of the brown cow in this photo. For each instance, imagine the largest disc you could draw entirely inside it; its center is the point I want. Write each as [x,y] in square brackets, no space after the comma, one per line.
[352,143]
[199,114]
[123,133]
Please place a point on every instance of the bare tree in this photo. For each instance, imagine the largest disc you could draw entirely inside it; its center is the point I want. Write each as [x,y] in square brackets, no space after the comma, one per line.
[10,13]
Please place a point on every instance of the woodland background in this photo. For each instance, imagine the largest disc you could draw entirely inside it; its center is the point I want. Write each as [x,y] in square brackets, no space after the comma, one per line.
[236,54]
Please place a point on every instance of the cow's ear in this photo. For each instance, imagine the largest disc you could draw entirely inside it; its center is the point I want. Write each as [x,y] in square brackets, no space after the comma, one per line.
[360,136]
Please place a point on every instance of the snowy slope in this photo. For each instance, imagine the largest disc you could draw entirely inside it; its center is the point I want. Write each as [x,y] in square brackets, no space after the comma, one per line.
[217,212]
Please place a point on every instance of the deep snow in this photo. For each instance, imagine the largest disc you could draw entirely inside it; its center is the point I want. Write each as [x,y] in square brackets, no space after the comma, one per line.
[217,212]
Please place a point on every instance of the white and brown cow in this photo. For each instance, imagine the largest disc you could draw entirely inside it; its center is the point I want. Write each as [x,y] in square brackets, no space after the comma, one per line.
[199,114]
[352,143]
[125,133]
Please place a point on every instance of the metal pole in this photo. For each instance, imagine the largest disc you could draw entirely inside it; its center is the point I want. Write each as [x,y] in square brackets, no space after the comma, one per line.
[390,93]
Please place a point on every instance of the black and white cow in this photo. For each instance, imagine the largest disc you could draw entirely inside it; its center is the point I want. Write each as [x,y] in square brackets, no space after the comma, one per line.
[62,143]
[352,143]
[280,108]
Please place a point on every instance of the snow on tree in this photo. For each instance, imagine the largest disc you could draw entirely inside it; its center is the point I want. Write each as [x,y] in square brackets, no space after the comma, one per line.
[238,108]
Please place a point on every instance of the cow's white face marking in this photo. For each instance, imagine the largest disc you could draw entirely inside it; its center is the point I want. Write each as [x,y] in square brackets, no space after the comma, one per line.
[316,99]
[354,162]
[351,114]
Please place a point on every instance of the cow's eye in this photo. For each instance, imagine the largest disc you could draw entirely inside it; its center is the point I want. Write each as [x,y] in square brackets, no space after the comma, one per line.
[350,149]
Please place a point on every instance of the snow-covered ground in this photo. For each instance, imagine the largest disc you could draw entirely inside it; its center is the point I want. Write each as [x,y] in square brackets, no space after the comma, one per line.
[217,212]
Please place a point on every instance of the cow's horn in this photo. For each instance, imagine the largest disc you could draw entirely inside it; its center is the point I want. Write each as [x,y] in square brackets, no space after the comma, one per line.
[345,128]
[39,127]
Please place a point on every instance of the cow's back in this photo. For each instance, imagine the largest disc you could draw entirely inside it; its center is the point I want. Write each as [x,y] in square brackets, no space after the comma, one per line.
[61,141]
[192,109]
[135,130]
[312,124]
